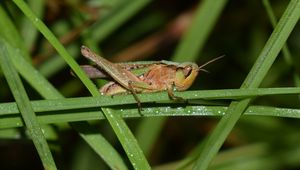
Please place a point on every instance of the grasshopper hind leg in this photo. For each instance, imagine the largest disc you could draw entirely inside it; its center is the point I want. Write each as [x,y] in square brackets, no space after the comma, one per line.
[133,92]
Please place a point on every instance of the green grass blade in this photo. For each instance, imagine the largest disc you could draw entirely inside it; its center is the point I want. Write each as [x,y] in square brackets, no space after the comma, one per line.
[56,63]
[115,18]
[10,33]
[10,120]
[285,50]
[33,77]
[273,45]
[100,145]
[90,102]
[12,133]
[129,143]
[133,151]
[56,44]
[194,39]
[87,102]
[254,78]
[25,108]
[28,32]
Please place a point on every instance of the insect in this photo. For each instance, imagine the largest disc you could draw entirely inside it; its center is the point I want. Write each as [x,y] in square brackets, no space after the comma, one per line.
[142,77]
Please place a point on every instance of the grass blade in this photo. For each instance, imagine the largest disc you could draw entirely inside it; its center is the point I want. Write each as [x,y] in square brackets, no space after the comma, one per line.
[112,21]
[99,144]
[90,102]
[255,76]
[285,50]
[25,108]
[56,44]
[28,32]
[10,33]
[10,120]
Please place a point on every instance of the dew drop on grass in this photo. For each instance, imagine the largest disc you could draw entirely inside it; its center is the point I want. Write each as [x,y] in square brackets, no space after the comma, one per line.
[202,111]
[179,108]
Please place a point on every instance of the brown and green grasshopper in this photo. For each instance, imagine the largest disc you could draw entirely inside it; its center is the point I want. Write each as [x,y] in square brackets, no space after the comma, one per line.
[155,76]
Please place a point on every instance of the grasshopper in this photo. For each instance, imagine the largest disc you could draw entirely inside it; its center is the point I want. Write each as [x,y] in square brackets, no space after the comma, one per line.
[153,77]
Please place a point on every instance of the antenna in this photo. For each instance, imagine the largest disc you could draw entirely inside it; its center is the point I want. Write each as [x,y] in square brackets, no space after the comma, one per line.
[211,61]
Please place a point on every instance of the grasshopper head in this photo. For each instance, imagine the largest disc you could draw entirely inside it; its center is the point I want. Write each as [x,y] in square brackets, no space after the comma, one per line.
[187,73]
[185,76]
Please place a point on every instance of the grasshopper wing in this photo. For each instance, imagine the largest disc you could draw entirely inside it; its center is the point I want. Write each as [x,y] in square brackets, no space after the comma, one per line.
[93,72]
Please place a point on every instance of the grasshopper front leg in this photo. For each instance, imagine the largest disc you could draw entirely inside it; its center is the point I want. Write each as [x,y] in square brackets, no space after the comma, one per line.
[172,95]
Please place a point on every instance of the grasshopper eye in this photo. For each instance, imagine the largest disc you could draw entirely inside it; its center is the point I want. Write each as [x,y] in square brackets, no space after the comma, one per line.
[187,71]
